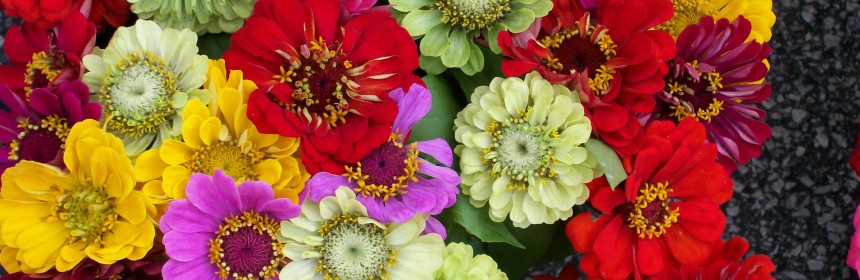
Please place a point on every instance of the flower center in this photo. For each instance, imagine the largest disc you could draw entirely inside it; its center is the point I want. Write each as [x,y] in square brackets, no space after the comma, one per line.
[42,69]
[41,142]
[586,48]
[520,150]
[473,14]
[320,82]
[687,12]
[687,95]
[138,100]
[88,212]
[228,156]
[386,171]
[351,250]
[651,215]
[246,247]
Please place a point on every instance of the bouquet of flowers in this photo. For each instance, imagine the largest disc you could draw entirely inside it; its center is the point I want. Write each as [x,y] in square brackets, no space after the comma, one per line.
[356,139]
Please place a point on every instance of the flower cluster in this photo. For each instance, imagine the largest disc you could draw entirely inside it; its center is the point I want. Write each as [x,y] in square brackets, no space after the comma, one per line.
[341,139]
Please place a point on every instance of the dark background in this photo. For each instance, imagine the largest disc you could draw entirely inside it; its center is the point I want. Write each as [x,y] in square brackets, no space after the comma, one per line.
[795,203]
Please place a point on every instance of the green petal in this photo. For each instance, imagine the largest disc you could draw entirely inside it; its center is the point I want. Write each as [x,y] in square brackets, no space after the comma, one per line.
[476,61]
[433,65]
[420,22]
[519,20]
[409,5]
[435,42]
[492,36]
[458,50]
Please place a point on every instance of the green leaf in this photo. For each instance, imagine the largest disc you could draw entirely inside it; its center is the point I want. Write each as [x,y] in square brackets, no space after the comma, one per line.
[477,222]
[516,261]
[608,161]
[214,45]
[492,69]
[439,122]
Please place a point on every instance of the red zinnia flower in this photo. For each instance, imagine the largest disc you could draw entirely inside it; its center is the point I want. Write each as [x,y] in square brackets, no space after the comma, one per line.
[40,58]
[114,12]
[48,13]
[322,77]
[666,214]
[715,78]
[855,155]
[615,60]
[725,264]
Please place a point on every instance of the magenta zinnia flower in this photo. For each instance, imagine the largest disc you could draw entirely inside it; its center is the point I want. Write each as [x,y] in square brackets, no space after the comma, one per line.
[224,232]
[393,182]
[36,129]
[715,78]
[853,260]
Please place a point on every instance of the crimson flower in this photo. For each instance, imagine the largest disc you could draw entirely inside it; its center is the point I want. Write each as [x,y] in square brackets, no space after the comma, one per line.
[855,155]
[666,214]
[323,77]
[48,13]
[147,268]
[725,264]
[613,58]
[41,58]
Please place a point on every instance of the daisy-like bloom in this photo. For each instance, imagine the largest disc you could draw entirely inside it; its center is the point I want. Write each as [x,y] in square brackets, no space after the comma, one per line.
[54,218]
[615,61]
[450,27]
[666,213]
[143,79]
[335,239]
[323,77]
[200,16]
[715,79]
[40,58]
[853,259]
[689,12]
[220,136]
[724,263]
[147,268]
[459,263]
[37,129]
[522,150]
[392,181]
[224,232]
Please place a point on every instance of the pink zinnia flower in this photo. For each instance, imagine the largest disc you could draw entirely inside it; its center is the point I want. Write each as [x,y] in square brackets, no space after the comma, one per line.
[853,260]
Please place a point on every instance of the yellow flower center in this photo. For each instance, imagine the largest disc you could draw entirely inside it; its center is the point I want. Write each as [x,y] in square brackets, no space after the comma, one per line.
[472,14]
[88,212]
[586,48]
[687,12]
[520,150]
[386,171]
[138,100]
[651,215]
[228,156]
[695,96]
[42,69]
[246,247]
[351,250]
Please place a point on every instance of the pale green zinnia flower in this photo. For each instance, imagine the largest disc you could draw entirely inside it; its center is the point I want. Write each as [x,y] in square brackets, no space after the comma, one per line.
[449,27]
[522,150]
[200,16]
[143,79]
[459,264]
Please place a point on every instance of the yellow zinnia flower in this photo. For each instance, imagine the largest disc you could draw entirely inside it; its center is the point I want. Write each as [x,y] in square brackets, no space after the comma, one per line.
[220,136]
[688,12]
[56,218]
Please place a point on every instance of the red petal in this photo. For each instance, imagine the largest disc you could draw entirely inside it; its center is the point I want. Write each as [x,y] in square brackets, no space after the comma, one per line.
[614,249]
[652,255]
[686,248]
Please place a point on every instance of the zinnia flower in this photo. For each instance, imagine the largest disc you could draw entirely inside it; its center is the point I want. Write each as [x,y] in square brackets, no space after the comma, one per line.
[200,16]
[459,263]
[147,268]
[221,137]
[666,213]
[522,150]
[854,161]
[357,7]
[44,13]
[392,182]
[39,58]
[335,239]
[614,59]
[143,79]
[221,231]
[37,129]
[714,79]
[724,263]
[690,12]
[450,27]
[322,77]
[91,211]
[113,12]
[853,260]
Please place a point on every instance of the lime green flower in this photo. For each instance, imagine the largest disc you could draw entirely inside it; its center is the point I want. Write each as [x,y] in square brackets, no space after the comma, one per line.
[200,16]
[458,264]
[449,27]
[143,79]
[522,150]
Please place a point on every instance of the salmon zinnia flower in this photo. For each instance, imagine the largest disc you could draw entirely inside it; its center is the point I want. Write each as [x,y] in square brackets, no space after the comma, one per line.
[324,78]
[666,214]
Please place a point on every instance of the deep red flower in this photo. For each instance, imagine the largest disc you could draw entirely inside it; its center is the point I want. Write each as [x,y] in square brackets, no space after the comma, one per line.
[323,77]
[41,58]
[613,58]
[44,13]
[716,79]
[568,272]
[147,268]
[724,264]
[667,213]
[855,155]
[113,12]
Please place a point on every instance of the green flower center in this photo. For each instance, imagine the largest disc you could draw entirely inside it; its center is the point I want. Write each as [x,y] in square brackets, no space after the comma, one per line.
[88,212]
[473,14]
[520,150]
[137,96]
[354,251]
[227,156]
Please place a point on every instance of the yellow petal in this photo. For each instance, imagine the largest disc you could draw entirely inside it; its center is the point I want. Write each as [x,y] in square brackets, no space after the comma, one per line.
[13,227]
[109,254]
[269,170]
[122,233]
[174,152]
[8,259]
[175,178]
[41,243]
[191,131]
[78,130]
[210,129]
[69,258]
[34,181]
[146,236]
[229,101]
[133,207]
[149,166]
